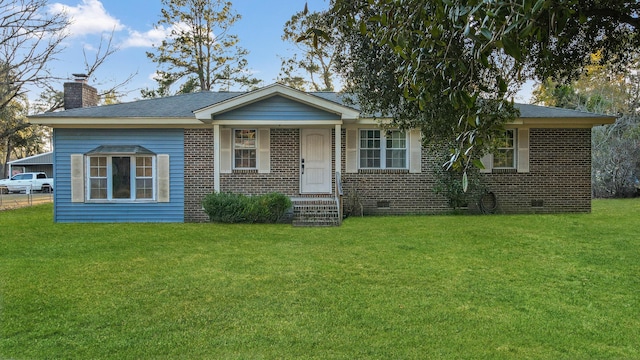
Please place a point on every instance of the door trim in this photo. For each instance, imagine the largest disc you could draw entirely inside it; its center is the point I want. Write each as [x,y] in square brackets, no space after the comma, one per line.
[324,187]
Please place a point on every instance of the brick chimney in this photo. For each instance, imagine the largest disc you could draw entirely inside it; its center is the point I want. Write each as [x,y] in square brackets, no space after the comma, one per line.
[79,94]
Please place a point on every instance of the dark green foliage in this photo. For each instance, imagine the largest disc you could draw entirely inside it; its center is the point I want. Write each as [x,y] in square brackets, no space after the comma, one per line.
[449,67]
[227,207]
[201,54]
[449,183]
[276,205]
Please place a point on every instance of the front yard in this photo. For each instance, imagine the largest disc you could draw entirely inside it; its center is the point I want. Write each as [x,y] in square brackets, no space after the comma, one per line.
[414,287]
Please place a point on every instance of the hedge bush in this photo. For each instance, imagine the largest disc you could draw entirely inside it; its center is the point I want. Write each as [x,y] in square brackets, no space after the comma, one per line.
[228,207]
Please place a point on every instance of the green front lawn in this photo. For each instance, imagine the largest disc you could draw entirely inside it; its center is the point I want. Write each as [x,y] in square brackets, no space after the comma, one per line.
[415,287]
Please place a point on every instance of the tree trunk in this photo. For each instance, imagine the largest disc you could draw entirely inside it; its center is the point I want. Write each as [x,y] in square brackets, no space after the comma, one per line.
[7,158]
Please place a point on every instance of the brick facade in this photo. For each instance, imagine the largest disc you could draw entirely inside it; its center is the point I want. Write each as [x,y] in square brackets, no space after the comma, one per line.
[559,179]
[393,191]
[198,170]
[283,176]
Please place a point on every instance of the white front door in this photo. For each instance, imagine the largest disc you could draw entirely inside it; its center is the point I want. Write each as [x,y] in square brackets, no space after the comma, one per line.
[315,161]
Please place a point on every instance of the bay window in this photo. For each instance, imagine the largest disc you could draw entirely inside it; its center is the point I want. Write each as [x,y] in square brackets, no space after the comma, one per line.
[121,173]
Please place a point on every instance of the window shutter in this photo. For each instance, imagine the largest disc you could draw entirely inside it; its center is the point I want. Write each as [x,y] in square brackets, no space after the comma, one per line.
[415,151]
[77,178]
[162,164]
[225,150]
[351,155]
[487,162]
[264,153]
[523,150]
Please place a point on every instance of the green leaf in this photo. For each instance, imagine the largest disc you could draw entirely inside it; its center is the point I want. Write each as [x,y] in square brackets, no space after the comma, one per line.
[502,84]
[511,48]
[465,182]
[363,28]
[486,33]
[538,6]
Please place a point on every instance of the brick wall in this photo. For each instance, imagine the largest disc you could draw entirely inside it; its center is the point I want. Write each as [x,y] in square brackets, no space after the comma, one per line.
[394,191]
[79,94]
[283,177]
[198,172]
[559,179]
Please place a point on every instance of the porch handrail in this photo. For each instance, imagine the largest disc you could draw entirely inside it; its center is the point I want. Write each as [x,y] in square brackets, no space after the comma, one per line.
[338,195]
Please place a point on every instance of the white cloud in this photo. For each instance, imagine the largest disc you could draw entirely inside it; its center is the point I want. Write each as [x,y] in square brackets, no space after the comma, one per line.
[152,37]
[145,39]
[89,17]
[154,76]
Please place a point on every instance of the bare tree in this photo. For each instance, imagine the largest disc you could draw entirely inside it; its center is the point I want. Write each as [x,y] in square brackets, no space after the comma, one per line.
[30,38]
[105,50]
[52,97]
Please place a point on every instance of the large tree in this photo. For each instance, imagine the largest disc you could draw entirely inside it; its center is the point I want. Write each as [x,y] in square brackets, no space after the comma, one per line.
[200,53]
[30,38]
[19,138]
[311,66]
[450,66]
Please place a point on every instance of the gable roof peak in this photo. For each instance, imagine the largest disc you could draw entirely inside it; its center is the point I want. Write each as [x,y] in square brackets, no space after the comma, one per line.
[276,89]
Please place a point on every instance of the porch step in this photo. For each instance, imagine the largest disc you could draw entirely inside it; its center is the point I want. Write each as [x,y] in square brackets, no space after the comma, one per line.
[315,212]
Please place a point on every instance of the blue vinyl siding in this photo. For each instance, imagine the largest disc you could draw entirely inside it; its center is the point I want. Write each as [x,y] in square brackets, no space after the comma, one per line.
[79,141]
[277,108]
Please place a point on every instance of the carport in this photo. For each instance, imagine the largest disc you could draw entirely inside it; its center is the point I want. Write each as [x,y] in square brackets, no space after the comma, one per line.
[36,163]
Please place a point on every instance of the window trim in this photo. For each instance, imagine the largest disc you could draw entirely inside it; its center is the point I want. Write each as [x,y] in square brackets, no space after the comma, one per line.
[513,148]
[255,148]
[383,150]
[133,178]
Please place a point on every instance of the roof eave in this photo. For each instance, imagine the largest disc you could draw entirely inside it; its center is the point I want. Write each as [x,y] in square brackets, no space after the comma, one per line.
[564,122]
[112,121]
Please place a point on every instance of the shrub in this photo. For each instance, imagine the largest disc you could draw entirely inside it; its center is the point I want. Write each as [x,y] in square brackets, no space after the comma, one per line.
[237,208]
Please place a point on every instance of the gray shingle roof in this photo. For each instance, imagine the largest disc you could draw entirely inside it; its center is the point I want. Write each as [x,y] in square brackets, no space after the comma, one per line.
[40,159]
[182,106]
[178,106]
[536,111]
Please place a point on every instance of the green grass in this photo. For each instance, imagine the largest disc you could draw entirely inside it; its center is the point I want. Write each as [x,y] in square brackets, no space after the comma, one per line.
[498,287]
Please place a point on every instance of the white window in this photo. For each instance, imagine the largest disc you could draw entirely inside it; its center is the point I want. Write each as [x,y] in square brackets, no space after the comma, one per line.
[245,148]
[505,155]
[380,150]
[511,155]
[121,177]
[119,173]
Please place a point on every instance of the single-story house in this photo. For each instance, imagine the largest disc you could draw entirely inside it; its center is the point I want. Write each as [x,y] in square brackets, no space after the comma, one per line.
[154,160]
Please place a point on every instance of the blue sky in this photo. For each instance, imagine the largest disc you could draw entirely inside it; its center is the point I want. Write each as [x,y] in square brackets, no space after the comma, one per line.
[259,30]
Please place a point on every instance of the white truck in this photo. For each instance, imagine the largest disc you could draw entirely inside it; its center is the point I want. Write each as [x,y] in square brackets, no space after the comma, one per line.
[27,182]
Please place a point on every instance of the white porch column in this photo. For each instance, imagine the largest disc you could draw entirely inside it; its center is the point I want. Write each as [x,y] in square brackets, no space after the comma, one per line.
[338,150]
[216,158]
